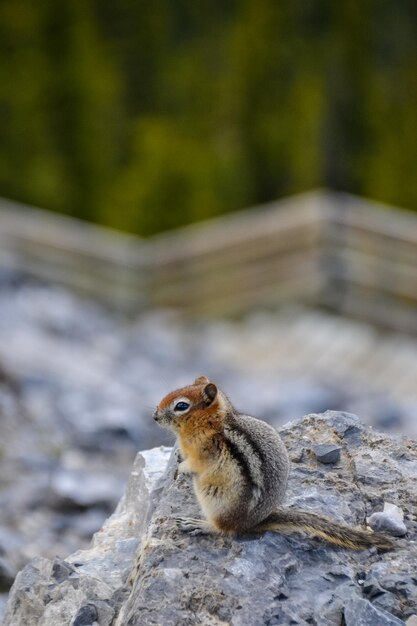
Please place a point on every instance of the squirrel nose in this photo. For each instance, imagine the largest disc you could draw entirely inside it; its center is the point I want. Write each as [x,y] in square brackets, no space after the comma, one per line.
[155,415]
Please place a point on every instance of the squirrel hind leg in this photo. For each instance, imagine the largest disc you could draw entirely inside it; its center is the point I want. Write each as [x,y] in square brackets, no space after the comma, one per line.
[291,520]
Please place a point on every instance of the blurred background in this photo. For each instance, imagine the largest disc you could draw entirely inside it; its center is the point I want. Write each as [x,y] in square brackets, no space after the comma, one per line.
[200,172]
[145,116]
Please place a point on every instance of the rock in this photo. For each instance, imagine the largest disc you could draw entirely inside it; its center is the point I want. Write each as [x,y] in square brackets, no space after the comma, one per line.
[3,603]
[327,453]
[390,603]
[98,612]
[141,570]
[85,616]
[359,612]
[412,621]
[88,583]
[41,599]
[114,546]
[371,587]
[390,520]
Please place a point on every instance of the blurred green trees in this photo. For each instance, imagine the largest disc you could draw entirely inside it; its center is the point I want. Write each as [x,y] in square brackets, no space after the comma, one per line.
[145,116]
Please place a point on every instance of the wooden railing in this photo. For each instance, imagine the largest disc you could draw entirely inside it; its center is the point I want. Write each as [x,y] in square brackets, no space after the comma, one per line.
[371,267]
[320,248]
[252,258]
[99,262]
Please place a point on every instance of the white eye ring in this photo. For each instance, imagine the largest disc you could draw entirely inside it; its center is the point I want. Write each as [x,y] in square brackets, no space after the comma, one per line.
[179,401]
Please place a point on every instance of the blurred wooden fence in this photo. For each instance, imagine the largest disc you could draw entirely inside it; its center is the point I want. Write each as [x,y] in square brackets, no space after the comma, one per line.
[96,261]
[319,248]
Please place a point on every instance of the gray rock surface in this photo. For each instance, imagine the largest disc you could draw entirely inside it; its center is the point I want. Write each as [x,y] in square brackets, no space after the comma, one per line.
[327,453]
[149,573]
[360,612]
[87,587]
[390,520]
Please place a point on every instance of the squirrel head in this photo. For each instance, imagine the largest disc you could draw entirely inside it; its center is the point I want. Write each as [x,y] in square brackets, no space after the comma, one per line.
[197,402]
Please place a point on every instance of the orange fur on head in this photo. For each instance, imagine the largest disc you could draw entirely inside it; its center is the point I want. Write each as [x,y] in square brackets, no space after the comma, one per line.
[205,413]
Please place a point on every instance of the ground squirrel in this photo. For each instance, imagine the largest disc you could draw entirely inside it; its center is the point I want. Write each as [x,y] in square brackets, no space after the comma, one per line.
[240,469]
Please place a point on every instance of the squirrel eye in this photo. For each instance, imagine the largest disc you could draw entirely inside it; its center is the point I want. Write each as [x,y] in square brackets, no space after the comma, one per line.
[181,406]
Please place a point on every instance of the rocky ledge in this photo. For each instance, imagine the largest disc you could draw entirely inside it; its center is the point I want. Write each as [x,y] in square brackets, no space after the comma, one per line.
[141,570]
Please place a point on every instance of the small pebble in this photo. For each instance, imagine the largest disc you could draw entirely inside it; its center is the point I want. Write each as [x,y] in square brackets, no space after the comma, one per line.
[381,522]
[327,453]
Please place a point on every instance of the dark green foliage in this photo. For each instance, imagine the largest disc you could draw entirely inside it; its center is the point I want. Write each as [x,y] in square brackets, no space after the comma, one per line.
[148,115]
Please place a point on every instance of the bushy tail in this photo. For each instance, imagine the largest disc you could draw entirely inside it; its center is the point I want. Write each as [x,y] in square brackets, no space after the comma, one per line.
[290,520]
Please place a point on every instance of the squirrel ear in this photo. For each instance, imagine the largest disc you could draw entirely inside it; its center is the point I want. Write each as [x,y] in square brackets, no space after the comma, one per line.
[201,380]
[209,393]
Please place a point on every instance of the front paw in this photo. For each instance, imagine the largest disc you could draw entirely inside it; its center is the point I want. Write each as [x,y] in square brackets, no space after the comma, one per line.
[191,526]
[186,524]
